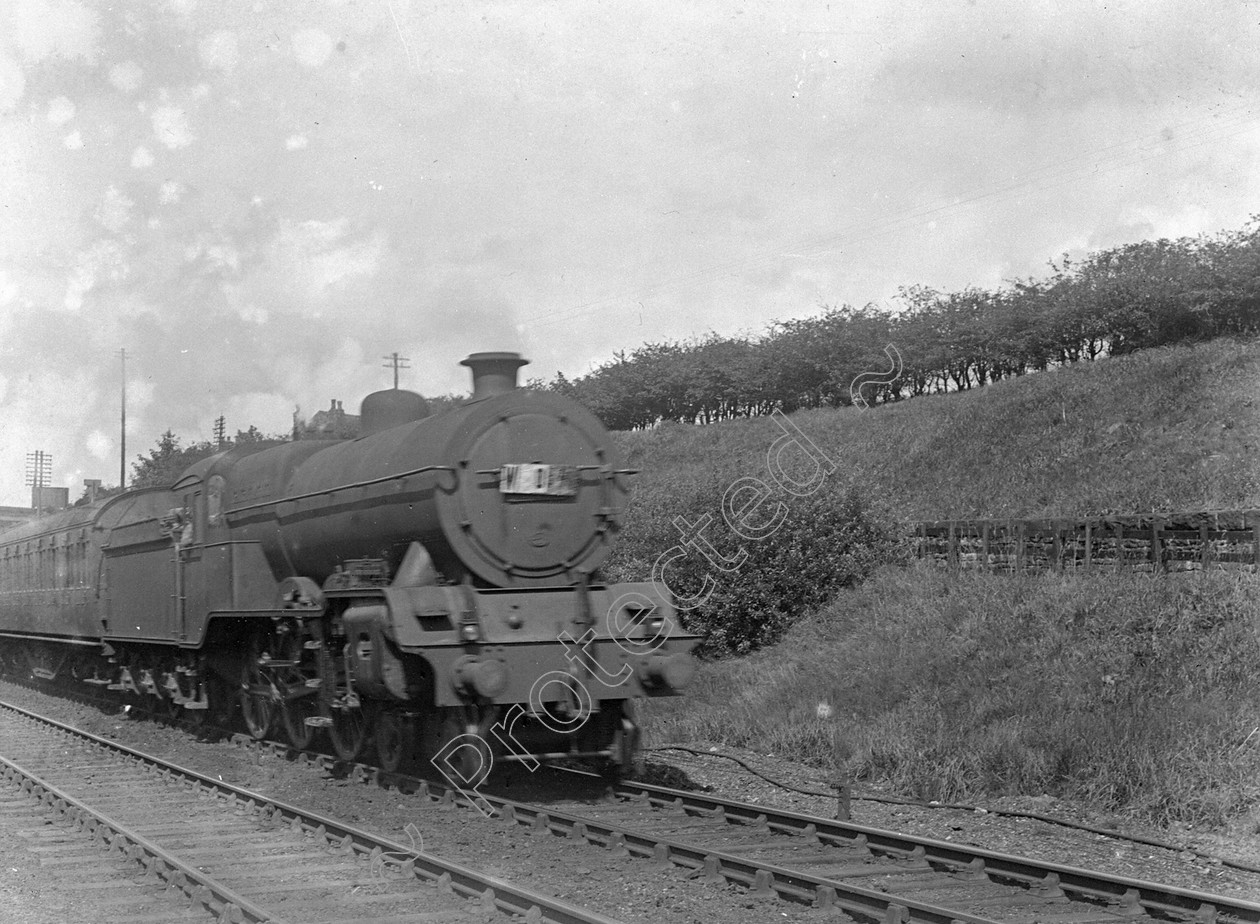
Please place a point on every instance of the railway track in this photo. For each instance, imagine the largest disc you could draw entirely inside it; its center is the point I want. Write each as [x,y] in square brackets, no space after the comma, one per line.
[116,889]
[978,881]
[238,856]
[866,873]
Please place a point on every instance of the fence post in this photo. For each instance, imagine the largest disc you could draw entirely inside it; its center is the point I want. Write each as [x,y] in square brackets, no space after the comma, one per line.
[952,549]
[1089,549]
[1119,545]
[1157,556]
[1255,547]
[1057,564]
[1205,547]
[1019,547]
[984,545]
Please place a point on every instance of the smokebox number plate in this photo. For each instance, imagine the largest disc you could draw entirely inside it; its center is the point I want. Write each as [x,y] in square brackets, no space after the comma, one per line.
[527,478]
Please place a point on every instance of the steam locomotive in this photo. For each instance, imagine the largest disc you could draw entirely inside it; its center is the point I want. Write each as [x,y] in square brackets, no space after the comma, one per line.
[432,582]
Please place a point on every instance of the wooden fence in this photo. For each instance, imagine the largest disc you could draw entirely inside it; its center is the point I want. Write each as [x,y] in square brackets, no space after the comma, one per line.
[1173,542]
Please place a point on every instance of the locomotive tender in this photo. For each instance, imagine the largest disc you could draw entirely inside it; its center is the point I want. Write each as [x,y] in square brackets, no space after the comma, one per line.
[430,580]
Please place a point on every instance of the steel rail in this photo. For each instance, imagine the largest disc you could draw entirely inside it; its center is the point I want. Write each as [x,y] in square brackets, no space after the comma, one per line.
[762,878]
[1127,896]
[720,866]
[1094,886]
[201,889]
[492,892]
[1116,894]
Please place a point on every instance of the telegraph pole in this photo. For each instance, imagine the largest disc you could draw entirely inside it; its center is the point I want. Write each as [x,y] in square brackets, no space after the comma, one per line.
[398,362]
[220,431]
[122,453]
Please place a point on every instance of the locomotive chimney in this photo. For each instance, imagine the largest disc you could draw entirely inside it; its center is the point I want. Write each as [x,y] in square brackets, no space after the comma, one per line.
[493,373]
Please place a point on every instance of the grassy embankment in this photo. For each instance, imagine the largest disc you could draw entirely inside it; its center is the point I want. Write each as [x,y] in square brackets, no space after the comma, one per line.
[1176,428]
[1129,693]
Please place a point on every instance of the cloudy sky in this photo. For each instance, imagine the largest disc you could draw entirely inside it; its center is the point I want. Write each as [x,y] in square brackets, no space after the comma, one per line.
[259,202]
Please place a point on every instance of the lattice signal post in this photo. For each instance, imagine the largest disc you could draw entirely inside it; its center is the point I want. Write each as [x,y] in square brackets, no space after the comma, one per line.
[38,474]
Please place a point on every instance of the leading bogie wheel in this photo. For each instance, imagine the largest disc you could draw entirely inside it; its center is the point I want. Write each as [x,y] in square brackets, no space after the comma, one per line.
[350,730]
[460,751]
[395,739]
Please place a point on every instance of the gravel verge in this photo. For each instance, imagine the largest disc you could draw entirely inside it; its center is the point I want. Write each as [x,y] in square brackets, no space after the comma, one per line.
[1196,863]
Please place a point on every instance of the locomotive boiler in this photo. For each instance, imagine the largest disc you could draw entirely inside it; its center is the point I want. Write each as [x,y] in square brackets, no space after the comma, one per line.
[434,580]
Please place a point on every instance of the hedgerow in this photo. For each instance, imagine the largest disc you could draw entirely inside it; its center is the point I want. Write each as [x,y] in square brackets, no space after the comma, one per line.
[753,590]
